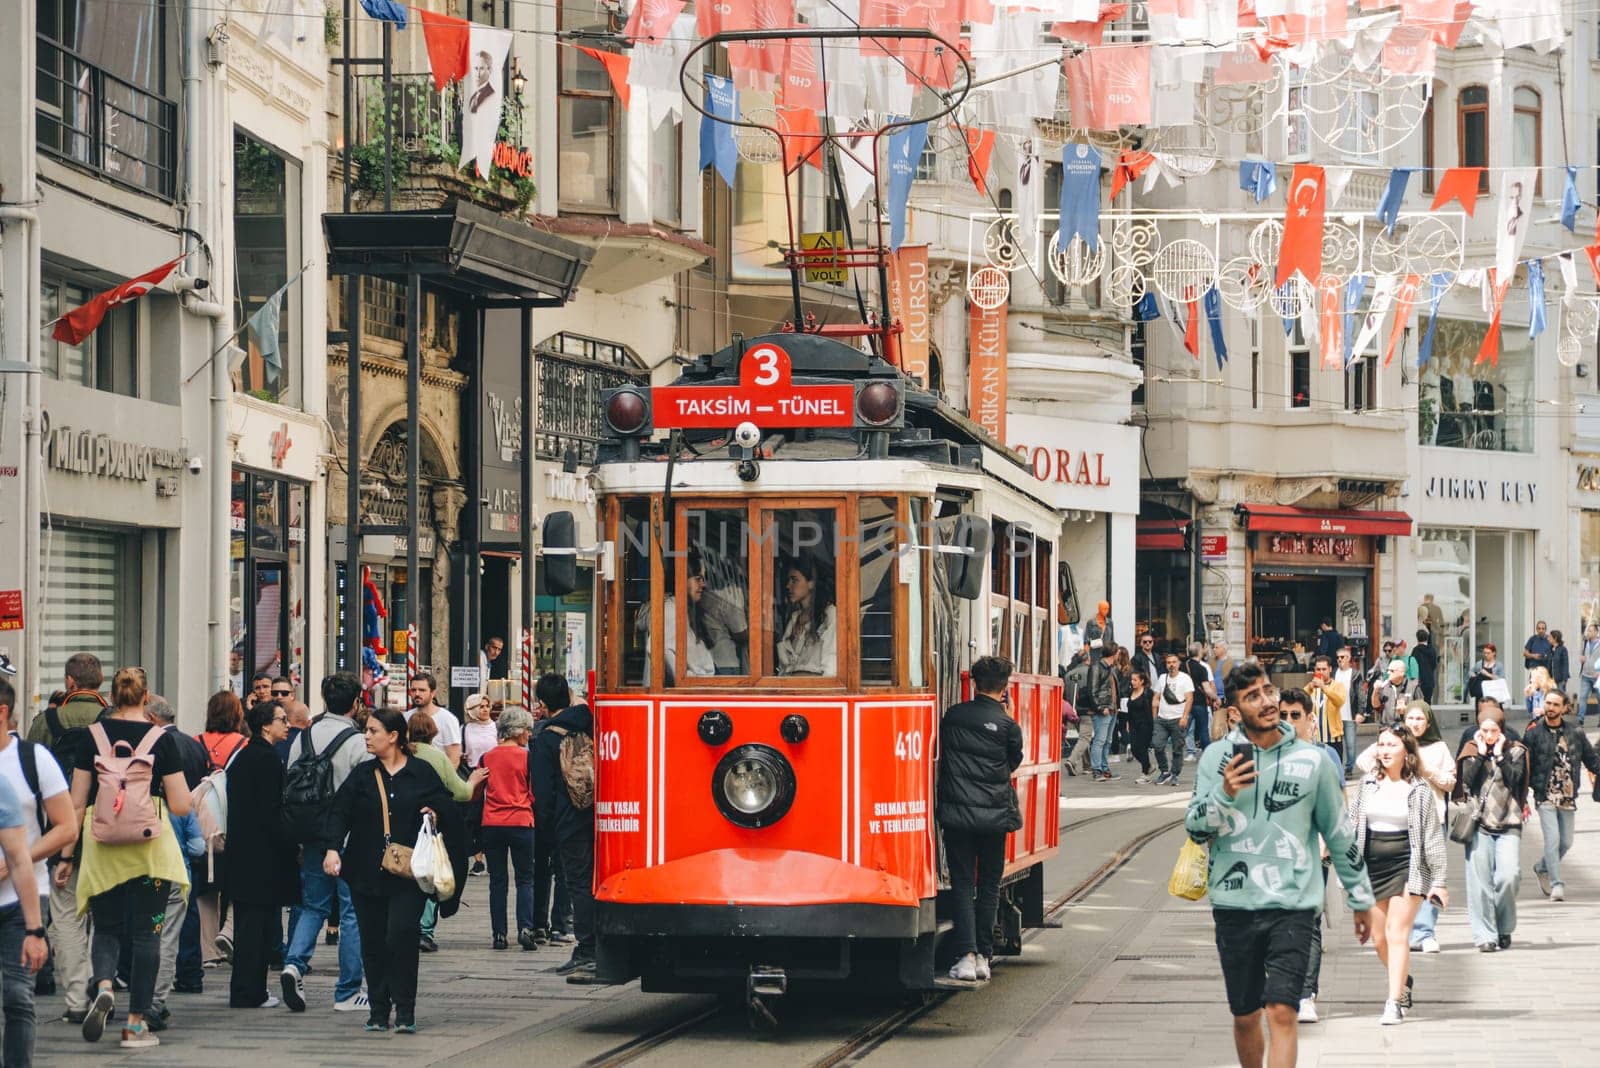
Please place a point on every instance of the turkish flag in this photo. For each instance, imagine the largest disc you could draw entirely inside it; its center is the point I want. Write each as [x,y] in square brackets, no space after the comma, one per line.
[616,65]
[1302,225]
[651,19]
[446,39]
[980,146]
[1459,183]
[82,321]
[1593,252]
[802,138]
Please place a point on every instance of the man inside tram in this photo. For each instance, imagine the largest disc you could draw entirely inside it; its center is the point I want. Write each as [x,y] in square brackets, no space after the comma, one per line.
[808,638]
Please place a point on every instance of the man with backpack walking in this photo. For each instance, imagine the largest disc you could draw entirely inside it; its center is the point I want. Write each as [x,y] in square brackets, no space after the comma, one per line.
[323,757]
[63,730]
[563,805]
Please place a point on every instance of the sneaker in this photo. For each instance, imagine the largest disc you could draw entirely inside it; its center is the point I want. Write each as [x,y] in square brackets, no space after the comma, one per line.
[294,992]
[188,988]
[214,962]
[74,1016]
[1072,771]
[1558,892]
[1174,781]
[1430,945]
[271,1003]
[540,935]
[225,947]
[584,973]
[1544,880]
[330,937]
[139,1036]
[356,1002]
[94,1021]
[1113,759]
[405,1027]
[1505,941]
[1392,1014]
[1145,780]
[478,868]
[966,969]
[376,1025]
[1404,1000]
[500,942]
[562,938]
[1108,777]
[427,944]
[1308,1010]
[1488,947]
[984,973]
[157,1020]
[527,939]
[1188,758]
[576,963]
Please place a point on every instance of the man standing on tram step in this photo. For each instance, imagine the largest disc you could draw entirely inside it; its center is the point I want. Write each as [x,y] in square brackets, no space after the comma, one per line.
[1557,754]
[1266,890]
[556,811]
[981,745]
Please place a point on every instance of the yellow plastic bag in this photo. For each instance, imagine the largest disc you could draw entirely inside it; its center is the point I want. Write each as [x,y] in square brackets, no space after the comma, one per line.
[1191,874]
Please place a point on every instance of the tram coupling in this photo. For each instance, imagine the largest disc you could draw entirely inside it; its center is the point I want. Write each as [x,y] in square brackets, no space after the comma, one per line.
[764,981]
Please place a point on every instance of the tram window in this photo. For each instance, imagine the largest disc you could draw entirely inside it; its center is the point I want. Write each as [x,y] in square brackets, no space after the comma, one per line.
[717,609]
[634,546]
[879,547]
[998,572]
[805,618]
[916,645]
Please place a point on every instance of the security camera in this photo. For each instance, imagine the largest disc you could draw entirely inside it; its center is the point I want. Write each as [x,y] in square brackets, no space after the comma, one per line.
[190,284]
[747,435]
[196,463]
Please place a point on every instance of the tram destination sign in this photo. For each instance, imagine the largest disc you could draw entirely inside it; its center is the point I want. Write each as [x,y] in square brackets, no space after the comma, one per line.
[765,396]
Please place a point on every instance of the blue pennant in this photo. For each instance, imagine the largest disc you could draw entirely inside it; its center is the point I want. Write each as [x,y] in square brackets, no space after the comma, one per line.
[1147,308]
[386,10]
[1258,178]
[1536,312]
[905,152]
[1080,195]
[1569,201]
[1393,194]
[717,146]
[1439,283]
[1212,302]
[1354,290]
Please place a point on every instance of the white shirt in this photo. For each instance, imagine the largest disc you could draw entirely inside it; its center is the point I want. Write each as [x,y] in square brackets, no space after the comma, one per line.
[51,783]
[1387,806]
[445,720]
[1348,677]
[1182,688]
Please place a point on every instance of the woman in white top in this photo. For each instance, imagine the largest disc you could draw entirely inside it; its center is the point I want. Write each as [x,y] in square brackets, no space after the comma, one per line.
[809,641]
[1400,835]
[1438,763]
[478,734]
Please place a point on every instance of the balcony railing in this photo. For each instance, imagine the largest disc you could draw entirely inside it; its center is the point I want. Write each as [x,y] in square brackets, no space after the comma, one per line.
[94,119]
[573,371]
[424,126]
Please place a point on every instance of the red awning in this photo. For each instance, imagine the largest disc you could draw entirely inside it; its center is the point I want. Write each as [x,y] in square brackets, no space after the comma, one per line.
[1160,534]
[1288,520]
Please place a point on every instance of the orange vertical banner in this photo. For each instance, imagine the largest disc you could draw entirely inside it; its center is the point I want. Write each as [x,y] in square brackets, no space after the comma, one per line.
[986,369]
[908,303]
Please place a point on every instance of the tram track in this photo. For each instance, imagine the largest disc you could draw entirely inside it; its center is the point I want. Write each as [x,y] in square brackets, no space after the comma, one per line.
[874,1034]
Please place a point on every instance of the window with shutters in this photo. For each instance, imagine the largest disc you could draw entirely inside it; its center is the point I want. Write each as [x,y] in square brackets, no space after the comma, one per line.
[90,600]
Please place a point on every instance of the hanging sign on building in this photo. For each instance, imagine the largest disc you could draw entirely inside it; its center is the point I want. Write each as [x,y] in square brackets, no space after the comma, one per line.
[764,396]
[908,303]
[1213,547]
[10,609]
[986,368]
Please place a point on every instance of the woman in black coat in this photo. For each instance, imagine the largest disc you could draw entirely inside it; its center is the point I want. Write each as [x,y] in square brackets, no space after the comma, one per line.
[263,873]
[389,907]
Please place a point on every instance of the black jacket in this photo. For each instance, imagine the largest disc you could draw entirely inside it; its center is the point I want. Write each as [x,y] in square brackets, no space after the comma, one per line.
[1541,743]
[980,746]
[196,765]
[356,812]
[1427,658]
[262,867]
[1472,728]
[1472,768]
[552,806]
[1101,689]
[1560,664]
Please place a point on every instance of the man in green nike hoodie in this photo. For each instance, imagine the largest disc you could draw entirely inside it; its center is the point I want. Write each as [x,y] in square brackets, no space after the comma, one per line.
[1266,871]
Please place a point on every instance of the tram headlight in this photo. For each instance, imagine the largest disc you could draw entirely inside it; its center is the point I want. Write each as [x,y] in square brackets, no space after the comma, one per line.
[627,411]
[878,406]
[753,786]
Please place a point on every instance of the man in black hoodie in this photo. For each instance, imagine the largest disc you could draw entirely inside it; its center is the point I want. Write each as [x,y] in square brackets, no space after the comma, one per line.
[1427,660]
[981,746]
[555,814]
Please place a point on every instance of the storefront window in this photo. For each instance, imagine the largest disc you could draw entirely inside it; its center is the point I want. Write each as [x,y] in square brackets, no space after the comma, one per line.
[1473,590]
[90,601]
[1469,405]
[267,624]
[1589,567]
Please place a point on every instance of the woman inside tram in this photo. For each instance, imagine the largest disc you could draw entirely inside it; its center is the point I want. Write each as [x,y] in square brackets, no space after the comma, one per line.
[808,643]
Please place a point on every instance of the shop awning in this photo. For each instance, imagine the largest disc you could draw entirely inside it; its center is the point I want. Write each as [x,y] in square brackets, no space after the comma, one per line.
[1290,520]
[1162,535]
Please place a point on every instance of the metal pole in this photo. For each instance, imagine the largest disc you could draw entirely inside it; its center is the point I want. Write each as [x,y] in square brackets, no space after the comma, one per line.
[352,466]
[413,446]
[529,591]
[349,101]
[388,117]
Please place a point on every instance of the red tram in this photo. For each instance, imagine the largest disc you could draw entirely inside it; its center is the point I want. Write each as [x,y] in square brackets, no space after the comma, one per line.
[792,585]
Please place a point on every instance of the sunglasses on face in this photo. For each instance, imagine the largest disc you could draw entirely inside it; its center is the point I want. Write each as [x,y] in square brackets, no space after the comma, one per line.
[280,693]
[280,719]
[1297,715]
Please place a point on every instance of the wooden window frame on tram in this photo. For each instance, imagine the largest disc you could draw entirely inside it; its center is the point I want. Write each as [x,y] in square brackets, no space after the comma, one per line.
[758,510]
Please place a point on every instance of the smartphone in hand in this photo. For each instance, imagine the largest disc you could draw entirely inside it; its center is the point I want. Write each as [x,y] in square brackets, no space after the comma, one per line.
[1245,750]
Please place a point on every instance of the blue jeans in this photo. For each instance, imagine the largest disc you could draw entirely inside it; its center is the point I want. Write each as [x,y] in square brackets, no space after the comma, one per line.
[1100,748]
[319,891]
[1586,686]
[1425,923]
[1556,823]
[1493,874]
[497,843]
[1351,743]
[189,972]
[18,990]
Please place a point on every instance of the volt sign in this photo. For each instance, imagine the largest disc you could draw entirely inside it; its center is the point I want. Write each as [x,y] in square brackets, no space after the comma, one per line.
[764,396]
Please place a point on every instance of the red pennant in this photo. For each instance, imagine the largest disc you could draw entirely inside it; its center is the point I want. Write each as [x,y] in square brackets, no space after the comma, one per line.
[1404,298]
[1302,225]
[651,20]
[1109,87]
[1191,330]
[82,321]
[1449,33]
[1490,349]
[1459,184]
[447,40]
[1593,252]
[1130,165]
[616,65]
[800,84]
[980,146]
[1086,32]
[802,138]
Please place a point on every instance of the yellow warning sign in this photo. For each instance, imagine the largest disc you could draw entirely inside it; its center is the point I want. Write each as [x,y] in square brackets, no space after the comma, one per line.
[822,271]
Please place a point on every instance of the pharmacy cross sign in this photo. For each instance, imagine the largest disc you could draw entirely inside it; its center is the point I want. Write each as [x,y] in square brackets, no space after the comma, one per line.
[764,396]
[279,444]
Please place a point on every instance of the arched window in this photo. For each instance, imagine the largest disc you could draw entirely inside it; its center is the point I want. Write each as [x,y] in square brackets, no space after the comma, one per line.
[1472,131]
[1527,136]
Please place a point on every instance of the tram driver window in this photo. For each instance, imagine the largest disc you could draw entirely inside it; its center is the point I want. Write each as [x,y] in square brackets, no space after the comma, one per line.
[805,619]
[716,612]
[879,541]
[634,544]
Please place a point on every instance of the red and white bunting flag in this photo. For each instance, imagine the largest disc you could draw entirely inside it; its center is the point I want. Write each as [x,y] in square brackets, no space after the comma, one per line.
[1109,87]
[1330,316]
[800,84]
[1242,66]
[1301,248]
[1409,50]
[980,146]
[1404,298]
[1090,33]
[801,136]
[1490,349]
[1323,20]
[447,40]
[616,65]
[1459,184]
[1191,329]
[651,20]
[1131,163]
[1593,252]
[84,320]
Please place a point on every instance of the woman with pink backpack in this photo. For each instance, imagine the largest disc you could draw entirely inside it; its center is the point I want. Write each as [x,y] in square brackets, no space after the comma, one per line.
[128,777]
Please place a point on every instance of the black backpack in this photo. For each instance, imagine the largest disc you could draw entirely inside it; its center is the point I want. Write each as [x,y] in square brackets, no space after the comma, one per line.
[67,742]
[308,786]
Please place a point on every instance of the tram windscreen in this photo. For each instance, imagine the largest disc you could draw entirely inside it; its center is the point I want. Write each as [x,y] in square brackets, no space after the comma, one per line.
[804,639]
[717,608]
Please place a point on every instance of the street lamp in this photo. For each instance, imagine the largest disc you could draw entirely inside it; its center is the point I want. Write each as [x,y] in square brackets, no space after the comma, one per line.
[519,81]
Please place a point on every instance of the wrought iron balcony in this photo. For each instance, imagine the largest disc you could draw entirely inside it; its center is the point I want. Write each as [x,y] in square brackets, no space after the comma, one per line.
[93,119]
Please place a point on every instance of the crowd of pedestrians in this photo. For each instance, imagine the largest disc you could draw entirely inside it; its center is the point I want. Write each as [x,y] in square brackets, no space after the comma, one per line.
[139,860]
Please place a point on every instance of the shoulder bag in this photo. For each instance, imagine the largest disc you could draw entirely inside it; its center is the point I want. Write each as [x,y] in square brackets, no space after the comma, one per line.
[1464,821]
[396,858]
